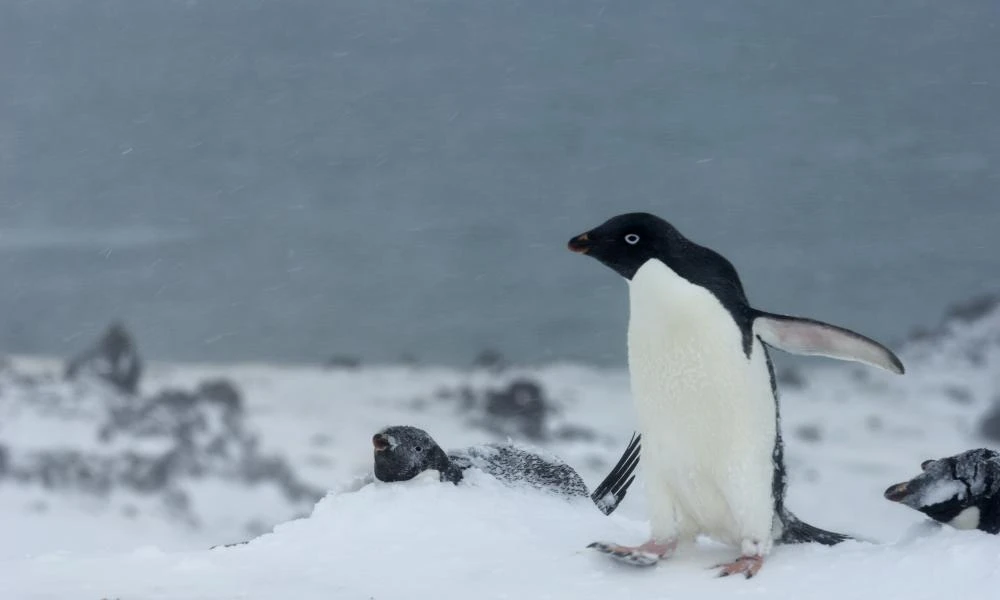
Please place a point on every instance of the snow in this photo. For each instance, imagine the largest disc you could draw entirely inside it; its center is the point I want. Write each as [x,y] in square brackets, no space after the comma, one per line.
[421,539]
[850,433]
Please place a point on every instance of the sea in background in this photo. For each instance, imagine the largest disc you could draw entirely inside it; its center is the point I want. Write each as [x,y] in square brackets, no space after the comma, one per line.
[290,180]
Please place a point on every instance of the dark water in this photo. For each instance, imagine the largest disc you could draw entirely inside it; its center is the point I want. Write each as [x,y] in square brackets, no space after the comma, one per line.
[287,180]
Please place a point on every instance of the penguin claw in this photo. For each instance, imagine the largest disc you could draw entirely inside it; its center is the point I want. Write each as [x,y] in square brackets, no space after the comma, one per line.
[748,566]
[645,555]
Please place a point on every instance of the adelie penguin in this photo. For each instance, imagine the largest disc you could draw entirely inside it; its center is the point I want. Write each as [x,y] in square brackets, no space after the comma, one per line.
[403,452]
[705,393]
[962,491]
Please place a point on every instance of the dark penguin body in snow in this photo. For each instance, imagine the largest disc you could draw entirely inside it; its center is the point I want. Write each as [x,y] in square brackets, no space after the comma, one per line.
[403,452]
[962,490]
[705,394]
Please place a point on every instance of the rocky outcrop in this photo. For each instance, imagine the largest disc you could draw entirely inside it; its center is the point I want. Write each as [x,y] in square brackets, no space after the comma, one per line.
[93,435]
[114,358]
[518,408]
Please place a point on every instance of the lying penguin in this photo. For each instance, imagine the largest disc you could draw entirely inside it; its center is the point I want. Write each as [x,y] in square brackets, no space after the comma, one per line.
[403,452]
[962,490]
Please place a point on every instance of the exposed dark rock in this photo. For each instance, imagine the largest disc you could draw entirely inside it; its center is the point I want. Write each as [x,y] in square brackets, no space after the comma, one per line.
[467,398]
[790,377]
[490,359]
[958,394]
[967,311]
[518,409]
[575,433]
[115,359]
[974,308]
[989,426]
[521,407]
[809,433]
[409,360]
[153,446]
[343,361]
[223,393]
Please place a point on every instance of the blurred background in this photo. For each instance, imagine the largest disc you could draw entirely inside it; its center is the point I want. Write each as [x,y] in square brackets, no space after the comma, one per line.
[289,180]
[384,189]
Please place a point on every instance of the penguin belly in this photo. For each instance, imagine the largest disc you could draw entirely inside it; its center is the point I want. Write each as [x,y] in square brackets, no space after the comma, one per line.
[706,412]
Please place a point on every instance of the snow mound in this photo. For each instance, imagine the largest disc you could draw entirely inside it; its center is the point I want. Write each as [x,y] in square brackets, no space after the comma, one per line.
[422,539]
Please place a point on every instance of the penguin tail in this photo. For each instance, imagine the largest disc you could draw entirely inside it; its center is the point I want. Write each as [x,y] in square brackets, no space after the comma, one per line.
[795,531]
[610,493]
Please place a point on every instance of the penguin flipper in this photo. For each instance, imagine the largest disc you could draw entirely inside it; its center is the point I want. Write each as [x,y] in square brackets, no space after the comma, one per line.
[807,336]
[794,531]
[609,494]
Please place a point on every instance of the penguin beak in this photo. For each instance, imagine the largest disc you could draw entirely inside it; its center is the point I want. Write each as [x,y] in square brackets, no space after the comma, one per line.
[897,492]
[580,244]
[380,442]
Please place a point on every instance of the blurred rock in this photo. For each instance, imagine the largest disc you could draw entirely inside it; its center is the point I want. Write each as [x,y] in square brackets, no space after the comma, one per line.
[809,433]
[790,377]
[974,308]
[575,433]
[409,360]
[114,359]
[519,409]
[958,394]
[159,446]
[343,361]
[989,426]
[491,360]
[977,309]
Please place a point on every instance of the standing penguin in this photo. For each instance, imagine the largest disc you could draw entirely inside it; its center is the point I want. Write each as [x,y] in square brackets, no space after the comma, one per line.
[705,393]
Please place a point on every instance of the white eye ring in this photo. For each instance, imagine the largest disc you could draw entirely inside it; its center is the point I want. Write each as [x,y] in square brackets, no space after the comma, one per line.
[632,239]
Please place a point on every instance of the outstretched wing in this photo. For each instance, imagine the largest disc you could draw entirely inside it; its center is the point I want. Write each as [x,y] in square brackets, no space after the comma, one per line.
[807,336]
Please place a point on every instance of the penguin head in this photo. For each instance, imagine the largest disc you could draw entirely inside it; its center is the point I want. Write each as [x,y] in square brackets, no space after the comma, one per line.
[948,490]
[403,452]
[624,243]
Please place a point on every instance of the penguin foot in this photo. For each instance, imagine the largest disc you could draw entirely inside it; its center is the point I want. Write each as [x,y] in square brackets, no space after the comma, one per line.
[646,555]
[747,565]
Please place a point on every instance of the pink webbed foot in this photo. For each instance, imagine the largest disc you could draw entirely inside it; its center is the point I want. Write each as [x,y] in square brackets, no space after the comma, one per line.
[645,555]
[747,565]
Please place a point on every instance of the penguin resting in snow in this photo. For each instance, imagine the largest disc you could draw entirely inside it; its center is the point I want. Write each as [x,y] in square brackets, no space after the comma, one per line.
[705,394]
[962,490]
[403,452]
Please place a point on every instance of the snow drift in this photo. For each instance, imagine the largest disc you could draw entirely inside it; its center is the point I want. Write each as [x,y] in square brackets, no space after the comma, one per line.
[422,539]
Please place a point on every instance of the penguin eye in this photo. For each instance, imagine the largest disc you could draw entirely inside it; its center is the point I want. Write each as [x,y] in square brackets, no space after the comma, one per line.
[418,448]
[632,239]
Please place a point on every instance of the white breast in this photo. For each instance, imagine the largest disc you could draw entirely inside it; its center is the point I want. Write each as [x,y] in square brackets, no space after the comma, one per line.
[706,412]
[967,519]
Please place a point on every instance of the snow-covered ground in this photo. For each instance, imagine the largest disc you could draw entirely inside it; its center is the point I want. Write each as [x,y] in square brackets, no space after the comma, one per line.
[850,433]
